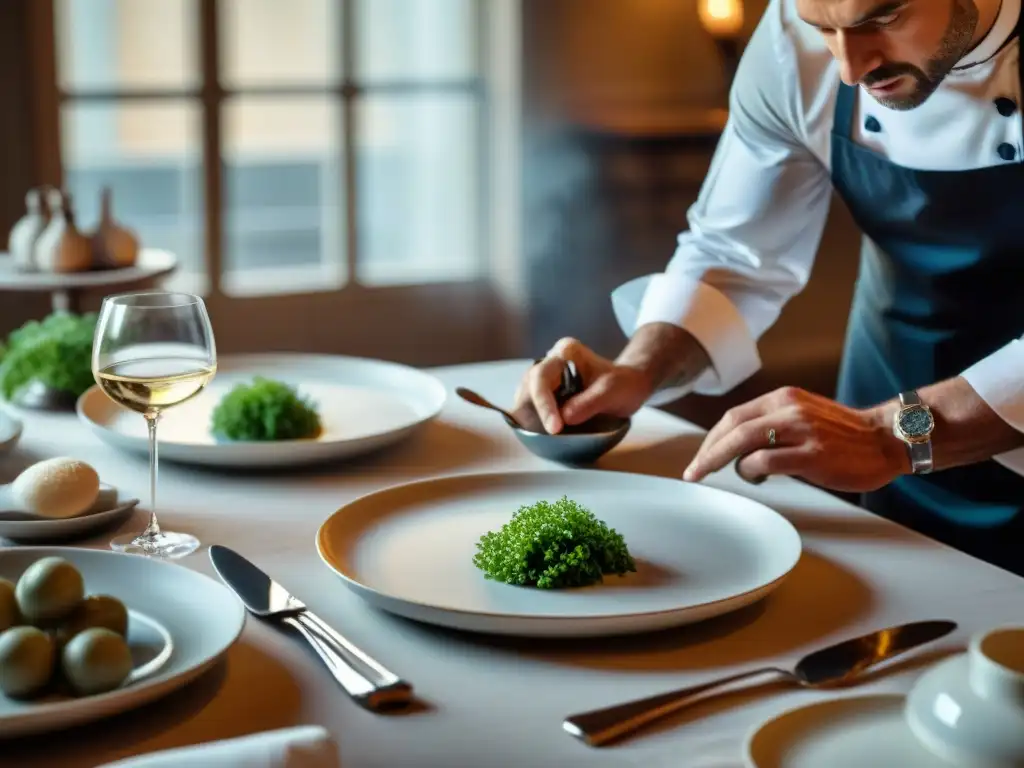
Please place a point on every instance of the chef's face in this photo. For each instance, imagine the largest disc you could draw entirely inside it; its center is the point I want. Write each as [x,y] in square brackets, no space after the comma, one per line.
[899,50]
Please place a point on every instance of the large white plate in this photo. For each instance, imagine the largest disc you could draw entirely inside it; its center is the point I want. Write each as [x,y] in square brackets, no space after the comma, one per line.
[203,618]
[364,405]
[849,732]
[700,552]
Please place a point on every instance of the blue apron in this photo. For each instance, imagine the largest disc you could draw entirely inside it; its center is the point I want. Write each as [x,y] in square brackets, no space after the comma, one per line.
[939,288]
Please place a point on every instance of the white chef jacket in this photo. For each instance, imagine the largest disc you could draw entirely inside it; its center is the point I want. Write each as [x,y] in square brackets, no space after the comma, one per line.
[757,223]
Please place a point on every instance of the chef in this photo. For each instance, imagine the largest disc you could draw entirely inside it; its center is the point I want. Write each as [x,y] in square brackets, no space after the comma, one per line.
[911,111]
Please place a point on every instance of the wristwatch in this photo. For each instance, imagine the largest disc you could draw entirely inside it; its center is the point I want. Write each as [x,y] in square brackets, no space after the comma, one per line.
[913,424]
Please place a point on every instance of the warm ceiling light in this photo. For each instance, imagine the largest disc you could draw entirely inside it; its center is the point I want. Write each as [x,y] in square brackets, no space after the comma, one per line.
[721,18]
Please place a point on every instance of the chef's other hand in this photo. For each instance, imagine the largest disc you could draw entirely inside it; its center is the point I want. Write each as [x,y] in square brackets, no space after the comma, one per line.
[815,439]
[608,388]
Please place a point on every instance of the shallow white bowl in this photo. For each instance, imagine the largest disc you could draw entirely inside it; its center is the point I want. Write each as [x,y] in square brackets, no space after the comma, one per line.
[969,710]
[111,508]
[202,617]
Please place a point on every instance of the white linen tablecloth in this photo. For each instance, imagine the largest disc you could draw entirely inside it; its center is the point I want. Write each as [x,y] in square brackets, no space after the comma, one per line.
[495,703]
[309,746]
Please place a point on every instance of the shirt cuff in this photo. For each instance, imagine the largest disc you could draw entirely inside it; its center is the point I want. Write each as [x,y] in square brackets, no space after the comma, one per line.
[701,310]
[999,381]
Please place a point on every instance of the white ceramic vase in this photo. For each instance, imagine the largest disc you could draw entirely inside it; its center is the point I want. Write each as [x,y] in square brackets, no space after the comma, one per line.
[22,241]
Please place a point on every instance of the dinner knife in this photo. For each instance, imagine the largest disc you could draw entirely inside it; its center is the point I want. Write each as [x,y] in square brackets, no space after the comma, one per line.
[367,681]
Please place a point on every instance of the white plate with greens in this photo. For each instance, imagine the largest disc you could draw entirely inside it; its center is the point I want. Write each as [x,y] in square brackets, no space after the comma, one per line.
[698,551]
[198,618]
[361,405]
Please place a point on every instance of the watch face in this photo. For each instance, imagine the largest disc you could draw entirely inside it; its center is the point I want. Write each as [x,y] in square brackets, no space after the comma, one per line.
[916,421]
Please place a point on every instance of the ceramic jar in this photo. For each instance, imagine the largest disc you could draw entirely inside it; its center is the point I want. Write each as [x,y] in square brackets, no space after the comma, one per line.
[113,246]
[62,248]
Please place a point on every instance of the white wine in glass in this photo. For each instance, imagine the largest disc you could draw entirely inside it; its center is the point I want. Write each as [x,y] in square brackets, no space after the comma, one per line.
[153,351]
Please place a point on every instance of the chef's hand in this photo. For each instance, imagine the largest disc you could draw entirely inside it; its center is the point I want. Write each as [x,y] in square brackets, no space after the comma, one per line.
[615,390]
[816,439]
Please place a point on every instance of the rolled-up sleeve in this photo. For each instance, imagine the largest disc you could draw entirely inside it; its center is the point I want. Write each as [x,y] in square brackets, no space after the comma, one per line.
[999,381]
[753,231]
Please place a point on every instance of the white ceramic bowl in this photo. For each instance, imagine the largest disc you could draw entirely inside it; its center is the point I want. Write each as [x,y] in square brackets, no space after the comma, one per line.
[969,710]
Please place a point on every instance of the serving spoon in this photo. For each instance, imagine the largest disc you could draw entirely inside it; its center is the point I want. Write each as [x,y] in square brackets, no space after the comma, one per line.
[472,397]
[838,664]
[572,384]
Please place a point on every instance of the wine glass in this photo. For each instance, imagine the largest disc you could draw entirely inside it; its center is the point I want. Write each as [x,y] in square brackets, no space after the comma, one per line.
[153,351]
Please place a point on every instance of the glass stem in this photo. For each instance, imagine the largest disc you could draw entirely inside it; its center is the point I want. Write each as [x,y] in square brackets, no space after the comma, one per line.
[153,529]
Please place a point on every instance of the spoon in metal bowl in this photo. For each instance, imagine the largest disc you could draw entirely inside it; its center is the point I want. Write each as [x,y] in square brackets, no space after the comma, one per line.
[835,665]
[572,384]
[472,397]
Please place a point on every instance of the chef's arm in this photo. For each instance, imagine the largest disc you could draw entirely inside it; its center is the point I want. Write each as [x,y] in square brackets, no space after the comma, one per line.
[979,415]
[753,235]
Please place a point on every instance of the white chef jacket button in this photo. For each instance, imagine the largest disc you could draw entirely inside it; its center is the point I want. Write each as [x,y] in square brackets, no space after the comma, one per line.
[1005,106]
[1006,151]
[871,124]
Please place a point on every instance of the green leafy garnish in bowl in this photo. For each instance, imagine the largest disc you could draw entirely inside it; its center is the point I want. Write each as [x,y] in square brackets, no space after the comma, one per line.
[56,352]
[552,546]
[265,410]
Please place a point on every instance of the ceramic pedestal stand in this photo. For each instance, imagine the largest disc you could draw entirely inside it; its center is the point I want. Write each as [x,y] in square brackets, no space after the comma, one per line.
[66,292]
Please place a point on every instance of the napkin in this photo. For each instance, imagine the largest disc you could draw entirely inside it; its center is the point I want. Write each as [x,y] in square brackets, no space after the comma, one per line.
[308,746]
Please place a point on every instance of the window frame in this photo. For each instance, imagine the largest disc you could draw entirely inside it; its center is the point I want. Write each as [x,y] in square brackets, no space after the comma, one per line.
[210,95]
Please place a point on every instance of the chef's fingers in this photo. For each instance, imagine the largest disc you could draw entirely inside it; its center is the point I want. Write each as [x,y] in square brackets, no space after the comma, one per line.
[598,397]
[538,388]
[767,431]
[758,466]
[541,383]
[731,420]
[589,364]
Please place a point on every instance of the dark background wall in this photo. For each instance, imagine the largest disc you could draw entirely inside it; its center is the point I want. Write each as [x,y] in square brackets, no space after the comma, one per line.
[621,99]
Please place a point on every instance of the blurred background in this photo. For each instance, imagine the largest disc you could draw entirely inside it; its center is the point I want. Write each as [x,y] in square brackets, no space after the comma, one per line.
[426,181]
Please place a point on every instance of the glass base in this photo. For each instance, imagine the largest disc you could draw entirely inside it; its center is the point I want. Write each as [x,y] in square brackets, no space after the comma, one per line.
[166,544]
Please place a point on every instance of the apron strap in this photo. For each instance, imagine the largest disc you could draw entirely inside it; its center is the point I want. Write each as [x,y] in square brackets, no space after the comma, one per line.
[846,103]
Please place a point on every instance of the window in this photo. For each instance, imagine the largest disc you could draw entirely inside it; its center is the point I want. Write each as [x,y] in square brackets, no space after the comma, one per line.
[351,136]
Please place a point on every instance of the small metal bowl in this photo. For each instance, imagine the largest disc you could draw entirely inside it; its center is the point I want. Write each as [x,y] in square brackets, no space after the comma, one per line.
[579,444]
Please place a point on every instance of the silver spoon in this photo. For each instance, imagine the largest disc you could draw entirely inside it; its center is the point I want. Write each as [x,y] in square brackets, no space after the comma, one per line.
[472,397]
[834,665]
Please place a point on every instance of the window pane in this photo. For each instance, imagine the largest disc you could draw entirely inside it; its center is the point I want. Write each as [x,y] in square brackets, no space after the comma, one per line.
[283,193]
[418,188]
[109,44]
[149,154]
[268,42]
[415,39]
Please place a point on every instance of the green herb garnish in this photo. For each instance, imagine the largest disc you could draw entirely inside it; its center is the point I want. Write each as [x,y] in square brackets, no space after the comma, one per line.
[551,546]
[56,352]
[265,410]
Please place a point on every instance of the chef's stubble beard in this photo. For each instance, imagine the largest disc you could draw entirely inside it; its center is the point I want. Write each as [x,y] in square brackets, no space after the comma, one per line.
[955,44]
